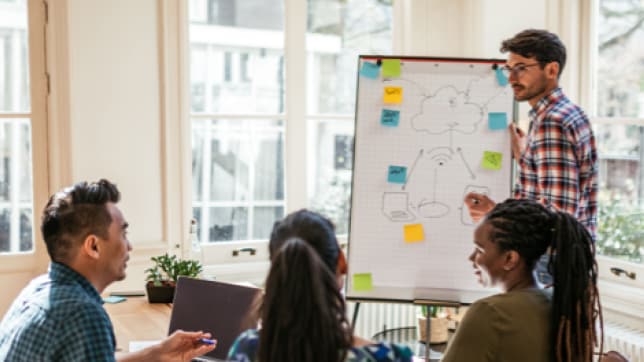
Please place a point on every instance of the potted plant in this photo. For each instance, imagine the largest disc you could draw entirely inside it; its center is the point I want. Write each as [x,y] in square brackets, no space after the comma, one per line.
[162,276]
[438,324]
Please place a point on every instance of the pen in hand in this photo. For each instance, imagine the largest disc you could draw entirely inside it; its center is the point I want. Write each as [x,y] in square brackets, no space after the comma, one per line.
[208,341]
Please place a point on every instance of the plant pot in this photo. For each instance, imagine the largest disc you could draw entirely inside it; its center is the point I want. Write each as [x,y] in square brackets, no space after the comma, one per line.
[438,330]
[160,294]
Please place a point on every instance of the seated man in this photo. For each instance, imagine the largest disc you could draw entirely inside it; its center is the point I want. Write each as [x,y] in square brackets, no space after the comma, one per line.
[59,316]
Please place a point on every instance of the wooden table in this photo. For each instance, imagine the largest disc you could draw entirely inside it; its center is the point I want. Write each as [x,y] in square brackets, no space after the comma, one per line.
[137,320]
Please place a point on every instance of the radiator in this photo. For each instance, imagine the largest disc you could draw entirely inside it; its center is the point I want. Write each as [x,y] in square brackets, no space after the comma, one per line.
[627,341]
[376,317]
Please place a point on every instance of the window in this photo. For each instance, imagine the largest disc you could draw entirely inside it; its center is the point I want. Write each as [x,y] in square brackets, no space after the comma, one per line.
[620,129]
[238,113]
[16,196]
[337,32]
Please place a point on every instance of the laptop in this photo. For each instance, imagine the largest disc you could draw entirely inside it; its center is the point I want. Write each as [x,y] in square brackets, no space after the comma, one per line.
[222,309]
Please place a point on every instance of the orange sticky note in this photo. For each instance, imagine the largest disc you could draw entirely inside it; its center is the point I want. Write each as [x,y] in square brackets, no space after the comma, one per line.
[414,233]
[393,95]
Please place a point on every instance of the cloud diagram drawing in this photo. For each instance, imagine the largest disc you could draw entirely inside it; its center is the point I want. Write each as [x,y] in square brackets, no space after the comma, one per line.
[448,111]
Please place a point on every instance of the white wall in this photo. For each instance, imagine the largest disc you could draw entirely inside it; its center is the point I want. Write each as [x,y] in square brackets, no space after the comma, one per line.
[115,107]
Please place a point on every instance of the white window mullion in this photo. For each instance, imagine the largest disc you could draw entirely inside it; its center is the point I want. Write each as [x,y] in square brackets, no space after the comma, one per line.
[296,125]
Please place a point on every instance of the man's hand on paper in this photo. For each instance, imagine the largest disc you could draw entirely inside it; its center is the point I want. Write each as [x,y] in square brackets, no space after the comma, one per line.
[478,205]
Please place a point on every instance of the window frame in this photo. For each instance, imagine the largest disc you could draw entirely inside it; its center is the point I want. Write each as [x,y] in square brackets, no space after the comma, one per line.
[38,83]
[622,297]
[217,257]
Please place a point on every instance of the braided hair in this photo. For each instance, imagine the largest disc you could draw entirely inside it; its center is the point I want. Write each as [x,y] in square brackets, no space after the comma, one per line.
[531,230]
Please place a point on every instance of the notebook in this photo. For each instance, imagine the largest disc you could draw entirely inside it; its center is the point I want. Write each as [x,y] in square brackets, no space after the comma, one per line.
[210,306]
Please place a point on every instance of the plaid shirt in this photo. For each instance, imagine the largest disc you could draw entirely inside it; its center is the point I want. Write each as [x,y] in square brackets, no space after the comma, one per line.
[59,316]
[559,165]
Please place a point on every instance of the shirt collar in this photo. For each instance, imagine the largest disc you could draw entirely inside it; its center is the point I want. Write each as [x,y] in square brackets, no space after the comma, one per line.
[63,273]
[553,97]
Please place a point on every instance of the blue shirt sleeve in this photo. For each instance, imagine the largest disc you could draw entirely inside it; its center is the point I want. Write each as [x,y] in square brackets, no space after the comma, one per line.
[244,349]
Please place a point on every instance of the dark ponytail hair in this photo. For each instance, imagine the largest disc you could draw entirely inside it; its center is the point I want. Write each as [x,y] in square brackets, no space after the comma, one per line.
[531,229]
[315,229]
[303,312]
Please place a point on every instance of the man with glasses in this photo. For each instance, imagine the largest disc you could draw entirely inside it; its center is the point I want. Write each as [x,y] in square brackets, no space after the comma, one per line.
[557,158]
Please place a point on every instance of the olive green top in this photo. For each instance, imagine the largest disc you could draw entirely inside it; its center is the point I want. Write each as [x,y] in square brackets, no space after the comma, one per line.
[513,326]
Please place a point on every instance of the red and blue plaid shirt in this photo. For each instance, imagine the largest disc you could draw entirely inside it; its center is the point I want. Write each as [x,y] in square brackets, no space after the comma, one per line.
[559,165]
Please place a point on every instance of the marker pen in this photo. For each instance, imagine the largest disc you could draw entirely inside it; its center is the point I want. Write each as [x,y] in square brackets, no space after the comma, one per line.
[208,341]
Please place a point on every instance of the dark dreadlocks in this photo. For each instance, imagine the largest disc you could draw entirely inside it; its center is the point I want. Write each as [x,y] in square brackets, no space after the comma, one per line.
[531,229]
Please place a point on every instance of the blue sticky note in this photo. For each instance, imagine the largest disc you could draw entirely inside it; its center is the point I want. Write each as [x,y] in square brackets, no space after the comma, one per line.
[500,77]
[390,118]
[112,299]
[370,70]
[497,120]
[397,174]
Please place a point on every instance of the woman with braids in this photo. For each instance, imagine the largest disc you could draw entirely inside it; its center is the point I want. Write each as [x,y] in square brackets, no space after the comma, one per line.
[526,323]
[303,316]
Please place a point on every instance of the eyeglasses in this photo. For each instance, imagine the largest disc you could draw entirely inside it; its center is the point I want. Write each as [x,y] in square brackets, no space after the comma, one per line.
[517,70]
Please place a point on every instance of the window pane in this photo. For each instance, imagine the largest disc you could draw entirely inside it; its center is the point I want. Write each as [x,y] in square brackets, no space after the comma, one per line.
[331,180]
[5,230]
[269,166]
[26,239]
[235,164]
[620,93]
[15,185]
[338,31]
[264,219]
[14,65]
[228,223]
[237,57]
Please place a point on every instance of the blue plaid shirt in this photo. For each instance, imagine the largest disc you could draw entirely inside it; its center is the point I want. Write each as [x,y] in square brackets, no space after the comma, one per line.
[59,316]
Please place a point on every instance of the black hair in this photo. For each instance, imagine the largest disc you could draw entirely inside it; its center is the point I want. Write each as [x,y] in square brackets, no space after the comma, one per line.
[315,229]
[302,312]
[545,46]
[531,229]
[74,213]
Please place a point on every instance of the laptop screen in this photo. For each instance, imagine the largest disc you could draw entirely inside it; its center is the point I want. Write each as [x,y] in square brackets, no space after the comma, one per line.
[219,308]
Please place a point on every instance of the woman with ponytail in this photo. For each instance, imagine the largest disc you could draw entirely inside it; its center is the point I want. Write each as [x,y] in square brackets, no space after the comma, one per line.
[303,313]
[526,323]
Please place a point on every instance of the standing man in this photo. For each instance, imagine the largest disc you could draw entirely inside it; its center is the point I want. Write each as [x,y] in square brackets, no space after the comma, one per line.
[59,316]
[557,158]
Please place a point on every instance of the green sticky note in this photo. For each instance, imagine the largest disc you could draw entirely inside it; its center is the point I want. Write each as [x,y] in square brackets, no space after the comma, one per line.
[362,282]
[492,160]
[391,67]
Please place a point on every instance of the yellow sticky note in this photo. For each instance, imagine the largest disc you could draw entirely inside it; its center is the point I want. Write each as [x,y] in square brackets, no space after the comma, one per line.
[362,282]
[414,233]
[393,95]
[492,160]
